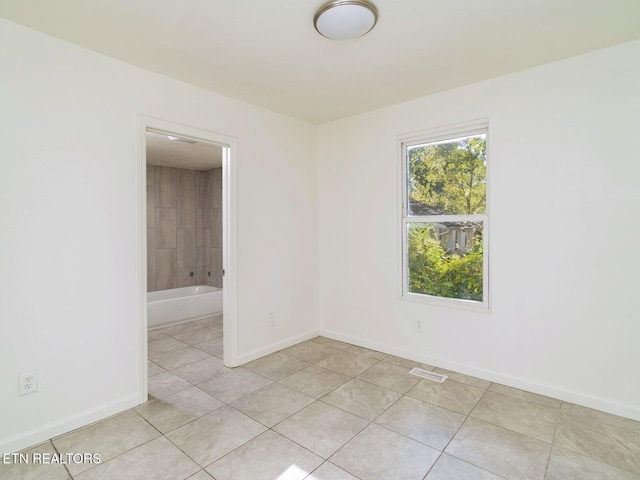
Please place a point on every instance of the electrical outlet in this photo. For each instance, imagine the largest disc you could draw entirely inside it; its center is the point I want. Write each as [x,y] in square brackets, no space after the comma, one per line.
[271,319]
[28,382]
[419,326]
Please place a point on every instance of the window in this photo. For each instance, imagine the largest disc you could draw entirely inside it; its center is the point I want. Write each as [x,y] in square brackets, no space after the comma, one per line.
[444,217]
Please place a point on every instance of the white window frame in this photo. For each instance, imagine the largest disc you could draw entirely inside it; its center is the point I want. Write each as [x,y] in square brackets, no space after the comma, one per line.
[451,132]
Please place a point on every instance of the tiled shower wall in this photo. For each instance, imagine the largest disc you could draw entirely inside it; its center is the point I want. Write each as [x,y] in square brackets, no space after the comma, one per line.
[184,227]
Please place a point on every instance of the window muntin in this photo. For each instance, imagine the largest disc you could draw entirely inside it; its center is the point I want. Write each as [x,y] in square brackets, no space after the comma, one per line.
[445,221]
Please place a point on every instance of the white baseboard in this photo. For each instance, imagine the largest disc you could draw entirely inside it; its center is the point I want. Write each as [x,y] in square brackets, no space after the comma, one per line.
[602,404]
[274,347]
[45,432]
[65,425]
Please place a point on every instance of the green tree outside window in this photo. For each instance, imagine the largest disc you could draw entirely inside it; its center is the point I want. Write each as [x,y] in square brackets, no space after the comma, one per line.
[444,257]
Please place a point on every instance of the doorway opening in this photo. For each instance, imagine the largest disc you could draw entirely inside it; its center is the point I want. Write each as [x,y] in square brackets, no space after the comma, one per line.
[187,240]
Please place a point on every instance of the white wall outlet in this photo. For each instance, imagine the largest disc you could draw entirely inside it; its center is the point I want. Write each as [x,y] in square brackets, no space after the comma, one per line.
[419,326]
[271,319]
[28,382]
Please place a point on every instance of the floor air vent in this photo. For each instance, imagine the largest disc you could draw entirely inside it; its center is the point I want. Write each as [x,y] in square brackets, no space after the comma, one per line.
[436,377]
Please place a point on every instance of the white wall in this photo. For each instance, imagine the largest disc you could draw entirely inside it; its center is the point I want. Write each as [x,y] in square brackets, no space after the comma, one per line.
[564,164]
[68,214]
[564,208]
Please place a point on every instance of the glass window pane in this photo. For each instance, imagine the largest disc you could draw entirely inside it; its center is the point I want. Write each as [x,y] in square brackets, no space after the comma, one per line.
[447,177]
[446,259]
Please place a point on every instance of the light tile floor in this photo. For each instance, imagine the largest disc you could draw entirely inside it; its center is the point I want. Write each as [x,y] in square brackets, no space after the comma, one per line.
[327,410]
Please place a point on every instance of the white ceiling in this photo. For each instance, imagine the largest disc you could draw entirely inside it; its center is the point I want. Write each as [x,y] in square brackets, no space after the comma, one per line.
[164,152]
[268,53]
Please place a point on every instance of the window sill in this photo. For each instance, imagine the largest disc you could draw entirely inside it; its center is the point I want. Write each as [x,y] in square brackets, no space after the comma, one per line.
[459,304]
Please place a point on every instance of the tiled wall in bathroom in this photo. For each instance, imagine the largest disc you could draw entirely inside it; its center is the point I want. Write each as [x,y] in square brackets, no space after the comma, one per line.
[184,227]
[209,226]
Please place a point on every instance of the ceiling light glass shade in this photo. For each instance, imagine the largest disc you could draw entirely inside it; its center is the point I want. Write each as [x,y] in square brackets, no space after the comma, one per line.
[345,19]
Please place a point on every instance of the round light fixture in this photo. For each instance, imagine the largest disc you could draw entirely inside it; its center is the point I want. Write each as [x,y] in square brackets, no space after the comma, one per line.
[345,19]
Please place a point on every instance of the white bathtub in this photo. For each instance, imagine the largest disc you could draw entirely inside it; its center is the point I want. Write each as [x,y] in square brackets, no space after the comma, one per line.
[166,307]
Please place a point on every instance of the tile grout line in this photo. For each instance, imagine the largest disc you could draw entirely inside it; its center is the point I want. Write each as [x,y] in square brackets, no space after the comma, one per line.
[467,417]
[599,460]
[331,463]
[433,465]
[553,440]
[185,453]
[122,453]
[368,424]
[397,400]
[242,413]
[371,422]
[58,452]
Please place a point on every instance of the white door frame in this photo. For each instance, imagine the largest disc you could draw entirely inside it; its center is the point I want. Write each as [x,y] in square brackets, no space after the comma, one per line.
[229,237]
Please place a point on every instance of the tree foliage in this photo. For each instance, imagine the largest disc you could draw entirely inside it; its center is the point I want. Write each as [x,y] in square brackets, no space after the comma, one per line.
[447,178]
[433,271]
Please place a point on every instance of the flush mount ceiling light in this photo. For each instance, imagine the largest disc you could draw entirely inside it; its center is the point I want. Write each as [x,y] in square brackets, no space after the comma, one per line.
[345,19]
